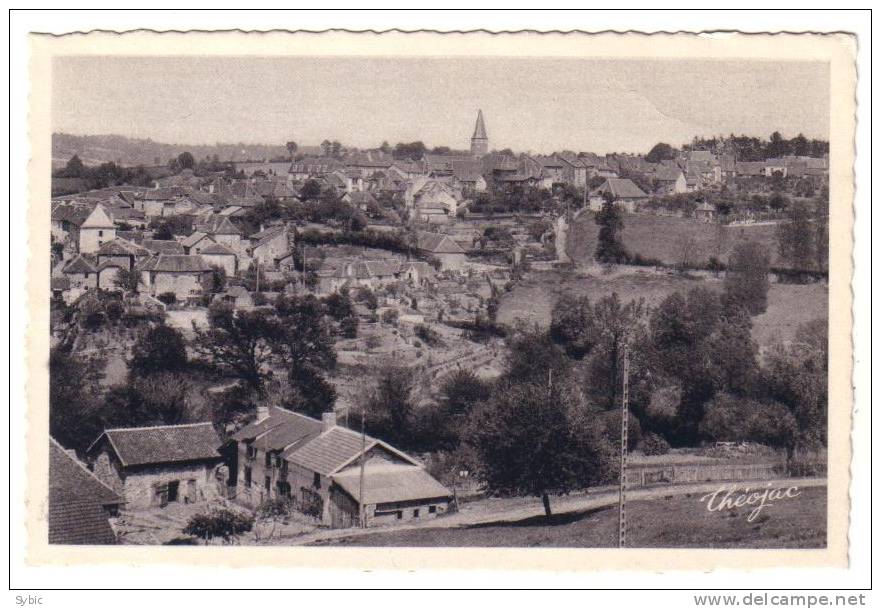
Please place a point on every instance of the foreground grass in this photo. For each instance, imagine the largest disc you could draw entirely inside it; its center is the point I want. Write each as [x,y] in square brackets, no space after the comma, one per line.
[674,522]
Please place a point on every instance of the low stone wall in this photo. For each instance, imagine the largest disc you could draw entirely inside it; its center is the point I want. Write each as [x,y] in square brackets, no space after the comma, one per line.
[644,474]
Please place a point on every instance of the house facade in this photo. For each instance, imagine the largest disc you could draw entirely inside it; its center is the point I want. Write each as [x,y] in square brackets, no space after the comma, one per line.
[332,472]
[154,466]
[97,229]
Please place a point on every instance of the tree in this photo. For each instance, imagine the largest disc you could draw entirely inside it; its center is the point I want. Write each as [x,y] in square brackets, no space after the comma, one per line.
[572,325]
[538,440]
[185,160]
[74,413]
[795,238]
[614,324]
[159,349]
[389,407]
[532,357]
[218,279]
[128,280]
[238,342]
[311,190]
[303,341]
[746,279]
[610,249]
[730,418]
[74,168]
[660,152]
[292,148]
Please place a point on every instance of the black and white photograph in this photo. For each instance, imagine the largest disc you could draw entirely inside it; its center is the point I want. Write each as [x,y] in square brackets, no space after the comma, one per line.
[463,300]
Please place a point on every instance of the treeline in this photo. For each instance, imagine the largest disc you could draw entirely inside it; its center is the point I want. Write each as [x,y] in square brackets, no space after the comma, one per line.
[746,148]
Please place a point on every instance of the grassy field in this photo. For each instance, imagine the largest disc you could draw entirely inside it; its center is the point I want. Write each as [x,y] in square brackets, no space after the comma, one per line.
[665,237]
[676,522]
[534,296]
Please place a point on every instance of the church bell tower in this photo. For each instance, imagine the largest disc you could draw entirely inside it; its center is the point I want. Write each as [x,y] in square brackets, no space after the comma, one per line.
[479,141]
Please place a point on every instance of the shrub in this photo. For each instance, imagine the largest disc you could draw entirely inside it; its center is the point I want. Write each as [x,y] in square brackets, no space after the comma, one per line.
[223,523]
[259,299]
[390,316]
[654,444]
[349,327]
[428,336]
[168,298]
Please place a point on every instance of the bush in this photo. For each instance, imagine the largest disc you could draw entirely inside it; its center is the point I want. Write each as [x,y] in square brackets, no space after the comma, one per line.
[222,523]
[653,444]
[349,327]
[427,335]
[168,298]
[390,316]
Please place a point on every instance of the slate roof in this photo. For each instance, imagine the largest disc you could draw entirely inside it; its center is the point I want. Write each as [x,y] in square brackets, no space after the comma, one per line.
[78,266]
[387,483]
[121,247]
[216,249]
[77,501]
[298,424]
[622,188]
[436,243]
[329,451]
[162,444]
[193,239]
[163,246]
[479,127]
[174,263]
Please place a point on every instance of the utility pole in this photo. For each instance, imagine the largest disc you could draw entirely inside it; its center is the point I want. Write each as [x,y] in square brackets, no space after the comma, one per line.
[622,491]
[362,515]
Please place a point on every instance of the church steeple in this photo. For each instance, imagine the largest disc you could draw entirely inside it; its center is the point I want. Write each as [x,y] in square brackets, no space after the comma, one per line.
[479,141]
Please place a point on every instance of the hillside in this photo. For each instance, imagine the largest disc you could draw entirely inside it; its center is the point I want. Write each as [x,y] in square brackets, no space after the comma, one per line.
[97,149]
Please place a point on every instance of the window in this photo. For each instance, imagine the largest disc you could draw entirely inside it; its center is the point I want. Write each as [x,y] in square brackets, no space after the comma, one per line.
[100,233]
[432,509]
[400,514]
[316,480]
[251,452]
[247,477]
[268,461]
[416,513]
[267,483]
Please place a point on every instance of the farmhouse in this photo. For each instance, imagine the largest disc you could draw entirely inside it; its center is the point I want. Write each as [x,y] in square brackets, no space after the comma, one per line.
[184,276]
[217,254]
[195,242]
[79,503]
[624,192]
[269,245]
[81,274]
[154,466]
[121,252]
[318,465]
[450,255]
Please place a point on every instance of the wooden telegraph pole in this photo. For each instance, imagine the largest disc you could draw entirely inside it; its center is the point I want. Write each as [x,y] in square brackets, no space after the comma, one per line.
[622,491]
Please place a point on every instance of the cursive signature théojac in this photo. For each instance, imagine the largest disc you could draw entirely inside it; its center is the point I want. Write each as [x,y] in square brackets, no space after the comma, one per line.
[727,498]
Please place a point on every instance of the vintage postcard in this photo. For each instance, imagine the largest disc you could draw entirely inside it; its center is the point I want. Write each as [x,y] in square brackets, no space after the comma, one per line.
[520,301]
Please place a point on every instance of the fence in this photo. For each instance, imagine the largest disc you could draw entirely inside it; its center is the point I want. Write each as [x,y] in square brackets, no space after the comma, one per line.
[644,475]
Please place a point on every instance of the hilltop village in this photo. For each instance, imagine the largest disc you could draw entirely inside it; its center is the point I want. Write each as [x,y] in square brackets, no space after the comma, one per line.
[303,340]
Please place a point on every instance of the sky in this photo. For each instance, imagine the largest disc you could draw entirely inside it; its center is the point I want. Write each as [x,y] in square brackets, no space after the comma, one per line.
[534,104]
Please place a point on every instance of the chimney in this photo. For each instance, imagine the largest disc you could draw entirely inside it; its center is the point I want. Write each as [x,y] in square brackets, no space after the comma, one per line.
[329,420]
[262,412]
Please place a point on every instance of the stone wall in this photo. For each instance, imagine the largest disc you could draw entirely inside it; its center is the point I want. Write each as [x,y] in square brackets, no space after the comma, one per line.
[142,489]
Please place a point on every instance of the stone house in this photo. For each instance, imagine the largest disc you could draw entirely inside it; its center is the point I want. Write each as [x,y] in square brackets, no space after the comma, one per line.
[79,503]
[574,170]
[98,228]
[318,465]
[625,193]
[670,181]
[217,254]
[269,245]
[195,242]
[417,273]
[81,274]
[185,276]
[237,297]
[108,272]
[705,212]
[122,252]
[222,230]
[441,247]
[155,466]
